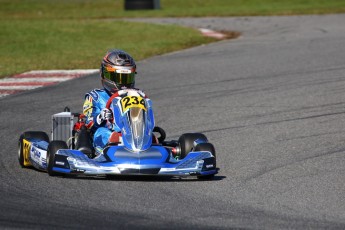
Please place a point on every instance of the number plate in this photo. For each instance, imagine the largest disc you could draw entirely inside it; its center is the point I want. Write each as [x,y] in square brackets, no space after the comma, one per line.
[132,102]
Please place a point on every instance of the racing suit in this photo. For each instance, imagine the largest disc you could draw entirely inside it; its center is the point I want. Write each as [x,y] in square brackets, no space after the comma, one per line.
[94,102]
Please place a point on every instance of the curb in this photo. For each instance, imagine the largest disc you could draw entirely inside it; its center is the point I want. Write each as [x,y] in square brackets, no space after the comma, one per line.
[39,78]
[212,33]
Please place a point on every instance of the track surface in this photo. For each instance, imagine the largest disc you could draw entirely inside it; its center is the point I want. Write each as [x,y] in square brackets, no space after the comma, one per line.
[273,104]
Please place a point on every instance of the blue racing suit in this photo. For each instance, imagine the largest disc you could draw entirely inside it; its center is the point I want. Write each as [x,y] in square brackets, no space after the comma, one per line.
[95,101]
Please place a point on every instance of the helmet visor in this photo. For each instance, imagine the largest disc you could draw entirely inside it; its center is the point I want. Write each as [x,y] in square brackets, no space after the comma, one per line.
[120,78]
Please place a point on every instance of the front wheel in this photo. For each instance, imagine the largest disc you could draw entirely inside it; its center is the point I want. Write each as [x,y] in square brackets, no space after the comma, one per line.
[209,148]
[53,147]
[23,157]
[186,142]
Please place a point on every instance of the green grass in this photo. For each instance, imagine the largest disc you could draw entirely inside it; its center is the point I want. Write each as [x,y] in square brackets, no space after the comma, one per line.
[71,34]
[81,44]
[169,8]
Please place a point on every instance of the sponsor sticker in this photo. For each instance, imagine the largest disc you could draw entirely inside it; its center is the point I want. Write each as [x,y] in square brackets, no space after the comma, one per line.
[60,163]
[87,108]
[35,153]
[94,95]
[123,71]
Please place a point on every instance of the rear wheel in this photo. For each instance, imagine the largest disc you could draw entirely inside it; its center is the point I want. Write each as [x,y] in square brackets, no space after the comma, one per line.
[53,147]
[186,142]
[31,134]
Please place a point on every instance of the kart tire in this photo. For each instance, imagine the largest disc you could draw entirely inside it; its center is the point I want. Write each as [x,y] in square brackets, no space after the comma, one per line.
[53,147]
[162,134]
[206,147]
[31,134]
[186,142]
[210,148]
[20,152]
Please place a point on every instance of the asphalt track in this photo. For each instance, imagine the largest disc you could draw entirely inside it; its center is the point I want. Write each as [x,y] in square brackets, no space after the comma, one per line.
[273,104]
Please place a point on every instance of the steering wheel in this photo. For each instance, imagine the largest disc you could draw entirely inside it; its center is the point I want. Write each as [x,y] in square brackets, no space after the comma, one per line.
[110,100]
[116,94]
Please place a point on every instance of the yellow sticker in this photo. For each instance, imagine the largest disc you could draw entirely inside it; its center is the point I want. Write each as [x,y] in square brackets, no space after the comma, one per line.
[26,152]
[87,107]
[132,102]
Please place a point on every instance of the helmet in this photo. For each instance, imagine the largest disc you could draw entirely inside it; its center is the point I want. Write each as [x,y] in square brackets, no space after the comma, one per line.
[117,71]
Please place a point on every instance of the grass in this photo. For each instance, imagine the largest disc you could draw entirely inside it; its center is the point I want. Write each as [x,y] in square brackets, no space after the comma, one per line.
[54,9]
[81,44]
[71,34]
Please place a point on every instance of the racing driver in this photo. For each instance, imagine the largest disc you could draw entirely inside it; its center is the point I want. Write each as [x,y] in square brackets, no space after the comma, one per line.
[118,70]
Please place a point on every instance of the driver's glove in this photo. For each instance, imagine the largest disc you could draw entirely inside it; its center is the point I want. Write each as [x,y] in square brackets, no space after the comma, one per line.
[104,115]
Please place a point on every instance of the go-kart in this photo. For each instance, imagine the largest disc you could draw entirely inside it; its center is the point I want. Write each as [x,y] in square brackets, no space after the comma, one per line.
[141,148]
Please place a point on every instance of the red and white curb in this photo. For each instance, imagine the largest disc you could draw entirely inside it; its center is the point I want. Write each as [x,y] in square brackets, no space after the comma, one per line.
[212,33]
[39,78]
